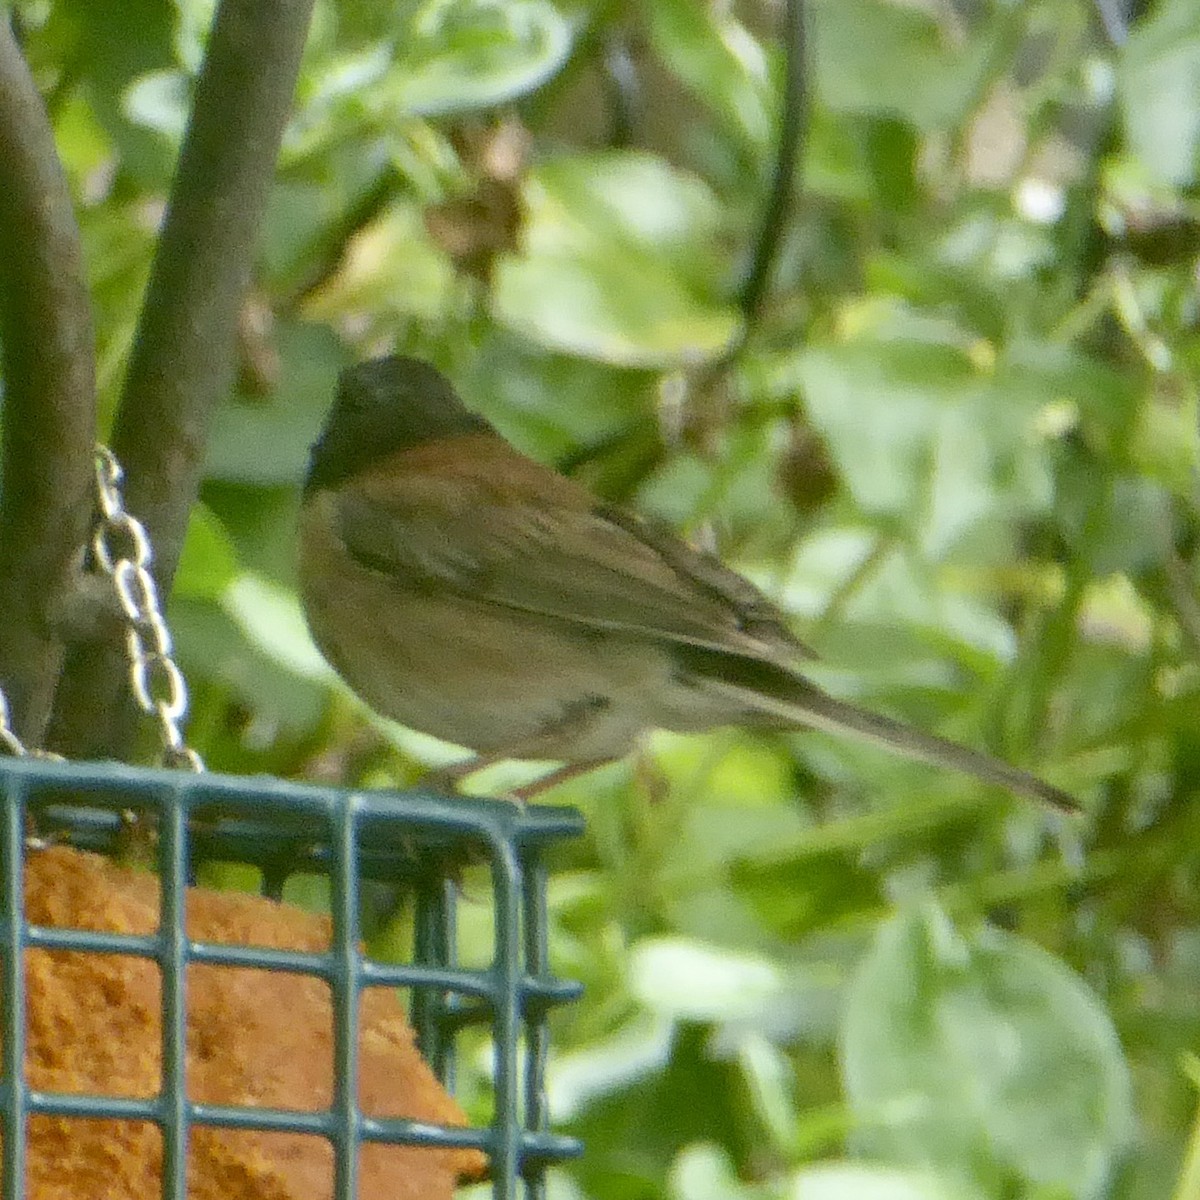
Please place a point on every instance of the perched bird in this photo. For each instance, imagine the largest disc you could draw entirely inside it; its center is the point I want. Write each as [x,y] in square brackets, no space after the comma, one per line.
[464,590]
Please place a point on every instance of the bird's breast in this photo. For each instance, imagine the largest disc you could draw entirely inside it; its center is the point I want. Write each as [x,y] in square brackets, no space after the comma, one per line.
[470,671]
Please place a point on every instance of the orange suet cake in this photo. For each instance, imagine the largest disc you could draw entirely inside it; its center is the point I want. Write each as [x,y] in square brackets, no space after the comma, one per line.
[254,1037]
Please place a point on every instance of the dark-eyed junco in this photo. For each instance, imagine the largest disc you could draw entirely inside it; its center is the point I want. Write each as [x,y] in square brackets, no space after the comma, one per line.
[464,590]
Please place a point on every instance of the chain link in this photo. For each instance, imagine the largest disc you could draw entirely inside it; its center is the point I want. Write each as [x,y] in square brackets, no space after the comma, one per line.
[11,746]
[122,551]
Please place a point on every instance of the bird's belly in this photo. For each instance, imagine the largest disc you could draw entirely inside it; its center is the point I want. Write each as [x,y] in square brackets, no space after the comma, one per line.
[485,677]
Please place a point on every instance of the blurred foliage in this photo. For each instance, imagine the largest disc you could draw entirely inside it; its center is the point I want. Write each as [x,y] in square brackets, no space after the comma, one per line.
[959,443]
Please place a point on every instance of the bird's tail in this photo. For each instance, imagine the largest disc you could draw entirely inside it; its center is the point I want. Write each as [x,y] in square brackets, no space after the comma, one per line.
[809,706]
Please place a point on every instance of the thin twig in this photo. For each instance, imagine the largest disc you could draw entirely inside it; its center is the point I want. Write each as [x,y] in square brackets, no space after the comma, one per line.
[881,546]
[792,124]
[49,395]
[329,253]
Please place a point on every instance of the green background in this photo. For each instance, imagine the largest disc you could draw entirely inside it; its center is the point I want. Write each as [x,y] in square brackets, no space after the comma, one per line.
[957,443]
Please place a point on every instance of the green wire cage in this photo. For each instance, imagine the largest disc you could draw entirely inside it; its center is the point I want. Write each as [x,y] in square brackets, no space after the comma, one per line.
[415,841]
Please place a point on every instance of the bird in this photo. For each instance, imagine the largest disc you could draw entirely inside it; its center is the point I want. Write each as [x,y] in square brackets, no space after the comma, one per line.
[467,591]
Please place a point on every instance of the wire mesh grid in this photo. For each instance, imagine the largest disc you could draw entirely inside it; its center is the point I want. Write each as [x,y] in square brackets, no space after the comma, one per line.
[416,840]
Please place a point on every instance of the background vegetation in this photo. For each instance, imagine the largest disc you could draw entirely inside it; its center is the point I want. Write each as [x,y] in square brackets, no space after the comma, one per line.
[954,432]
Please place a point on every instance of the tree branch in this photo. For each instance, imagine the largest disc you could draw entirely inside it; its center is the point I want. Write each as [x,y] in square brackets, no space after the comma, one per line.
[49,395]
[183,359]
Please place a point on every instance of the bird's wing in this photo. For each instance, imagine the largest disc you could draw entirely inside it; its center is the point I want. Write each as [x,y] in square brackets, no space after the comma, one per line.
[758,616]
[587,565]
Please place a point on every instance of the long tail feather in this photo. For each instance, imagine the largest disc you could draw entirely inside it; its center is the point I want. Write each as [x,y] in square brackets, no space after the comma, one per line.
[819,710]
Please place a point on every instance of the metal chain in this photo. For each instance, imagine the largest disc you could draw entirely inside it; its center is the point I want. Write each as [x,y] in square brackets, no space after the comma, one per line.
[122,550]
[10,744]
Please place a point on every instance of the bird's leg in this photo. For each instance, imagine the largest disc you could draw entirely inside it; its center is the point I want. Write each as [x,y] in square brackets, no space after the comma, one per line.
[541,745]
[447,779]
[559,775]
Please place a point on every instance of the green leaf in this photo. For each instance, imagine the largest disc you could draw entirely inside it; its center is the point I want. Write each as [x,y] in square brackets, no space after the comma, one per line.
[718,60]
[467,54]
[877,399]
[1159,84]
[193,21]
[930,427]
[1166,441]
[616,310]
[693,981]
[208,563]
[273,622]
[636,1050]
[520,388]
[110,44]
[984,1056]
[266,441]
[618,264]
[1071,387]
[215,653]
[83,143]
[1113,522]
[991,472]
[705,1172]
[858,1181]
[160,100]
[874,56]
